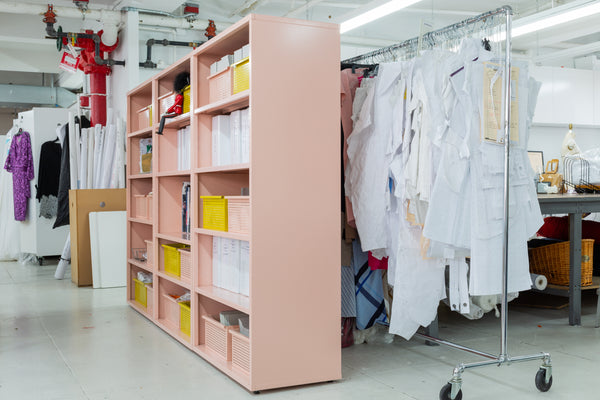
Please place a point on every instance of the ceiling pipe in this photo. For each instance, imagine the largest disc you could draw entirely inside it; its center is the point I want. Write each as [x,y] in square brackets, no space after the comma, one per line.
[106,15]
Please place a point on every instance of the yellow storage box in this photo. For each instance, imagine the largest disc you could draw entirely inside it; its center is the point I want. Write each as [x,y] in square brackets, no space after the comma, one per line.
[241,75]
[214,213]
[172,258]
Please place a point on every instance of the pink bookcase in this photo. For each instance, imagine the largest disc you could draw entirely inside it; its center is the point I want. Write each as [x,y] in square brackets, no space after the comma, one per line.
[289,222]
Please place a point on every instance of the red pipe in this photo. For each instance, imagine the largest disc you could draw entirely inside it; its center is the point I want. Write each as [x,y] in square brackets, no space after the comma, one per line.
[98,97]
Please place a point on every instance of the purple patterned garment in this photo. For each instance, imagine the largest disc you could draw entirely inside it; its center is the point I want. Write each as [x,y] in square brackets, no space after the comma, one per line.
[20,163]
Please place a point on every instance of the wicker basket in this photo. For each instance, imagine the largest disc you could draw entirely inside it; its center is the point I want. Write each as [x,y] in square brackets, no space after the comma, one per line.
[553,262]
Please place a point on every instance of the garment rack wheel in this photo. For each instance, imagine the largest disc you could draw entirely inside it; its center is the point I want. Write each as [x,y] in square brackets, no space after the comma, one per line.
[446,393]
[41,261]
[543,379]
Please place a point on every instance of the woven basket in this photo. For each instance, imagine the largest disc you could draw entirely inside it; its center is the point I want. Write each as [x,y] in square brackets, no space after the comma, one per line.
[552,261]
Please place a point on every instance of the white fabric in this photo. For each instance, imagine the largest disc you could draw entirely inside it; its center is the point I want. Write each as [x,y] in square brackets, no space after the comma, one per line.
[83,162]
[419,123]
[90,157]
[10,238]
[108,155]
[98,147]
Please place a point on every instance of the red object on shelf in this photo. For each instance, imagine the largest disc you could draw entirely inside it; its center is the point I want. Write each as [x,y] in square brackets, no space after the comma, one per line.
[177,107]
[84,101]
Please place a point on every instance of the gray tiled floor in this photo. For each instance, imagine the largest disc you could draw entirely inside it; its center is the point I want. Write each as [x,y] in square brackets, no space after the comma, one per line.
[61,342]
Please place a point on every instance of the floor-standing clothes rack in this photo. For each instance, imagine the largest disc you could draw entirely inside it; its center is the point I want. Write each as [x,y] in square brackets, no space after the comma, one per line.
[448,37]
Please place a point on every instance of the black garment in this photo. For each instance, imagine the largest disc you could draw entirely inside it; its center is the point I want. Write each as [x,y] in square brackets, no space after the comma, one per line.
[49,169]
[64,184]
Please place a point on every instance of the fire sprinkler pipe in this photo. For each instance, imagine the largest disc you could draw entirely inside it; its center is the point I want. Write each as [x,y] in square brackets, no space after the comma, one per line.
[98,98]
[105,16]
[165,42]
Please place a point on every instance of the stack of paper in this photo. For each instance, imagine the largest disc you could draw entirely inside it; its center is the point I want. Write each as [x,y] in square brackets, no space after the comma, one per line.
[231,265]
[221,139]
[183,148]
[231,138]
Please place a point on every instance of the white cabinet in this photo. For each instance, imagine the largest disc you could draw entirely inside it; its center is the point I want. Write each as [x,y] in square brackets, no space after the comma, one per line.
[567,96]
[37,235]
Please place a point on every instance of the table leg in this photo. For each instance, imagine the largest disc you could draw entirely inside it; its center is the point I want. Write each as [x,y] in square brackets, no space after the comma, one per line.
[575,270]
[433,330]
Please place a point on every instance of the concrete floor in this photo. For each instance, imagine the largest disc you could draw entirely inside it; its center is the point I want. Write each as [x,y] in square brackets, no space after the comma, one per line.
[61,342]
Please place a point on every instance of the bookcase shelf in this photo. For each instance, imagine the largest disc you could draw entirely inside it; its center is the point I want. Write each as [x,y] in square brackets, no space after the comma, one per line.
[173,173]
[178,237]
[140,264]
[174,280]
[225,106]
[178,122]
[294,149]
[223,234]
[140,176]
[234,300]
[144,132]
[140,221]
[223,168]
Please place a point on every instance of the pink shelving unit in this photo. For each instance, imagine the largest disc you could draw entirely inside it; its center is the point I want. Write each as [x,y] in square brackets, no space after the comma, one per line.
[292,226]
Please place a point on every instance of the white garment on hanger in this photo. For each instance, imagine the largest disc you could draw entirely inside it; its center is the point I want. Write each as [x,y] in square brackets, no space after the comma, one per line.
[369,156]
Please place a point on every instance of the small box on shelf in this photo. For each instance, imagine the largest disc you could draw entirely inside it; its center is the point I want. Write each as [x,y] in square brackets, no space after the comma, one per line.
[241,75]
[172,260]
[143,294]
[149,298]
[216,337]
[169,310]
[185,264]
[214,213]
[219,85]
[185,316]
[145,117]
[186,99]
[165,102]
[143,206]
[149,252]
[238,214]
[240,351]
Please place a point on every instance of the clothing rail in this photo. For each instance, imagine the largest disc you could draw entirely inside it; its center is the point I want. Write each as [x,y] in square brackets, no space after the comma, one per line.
[430,36]
[543,379]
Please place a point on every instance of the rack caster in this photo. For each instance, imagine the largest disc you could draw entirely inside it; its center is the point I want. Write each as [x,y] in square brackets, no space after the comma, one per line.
[543,379]
[446,392]
[41,261]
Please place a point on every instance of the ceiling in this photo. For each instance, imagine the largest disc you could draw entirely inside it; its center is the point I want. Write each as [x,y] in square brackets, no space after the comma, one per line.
[22,47]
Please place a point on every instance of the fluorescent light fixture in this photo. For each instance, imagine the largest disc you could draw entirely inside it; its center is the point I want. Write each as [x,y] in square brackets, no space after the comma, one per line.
[557,19]
[375,13]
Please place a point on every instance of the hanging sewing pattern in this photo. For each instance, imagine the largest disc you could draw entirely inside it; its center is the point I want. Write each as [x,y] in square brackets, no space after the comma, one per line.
[20,163]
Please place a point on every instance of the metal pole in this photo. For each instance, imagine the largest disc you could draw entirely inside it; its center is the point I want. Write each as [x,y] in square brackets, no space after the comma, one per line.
[507,104]
[456,346]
